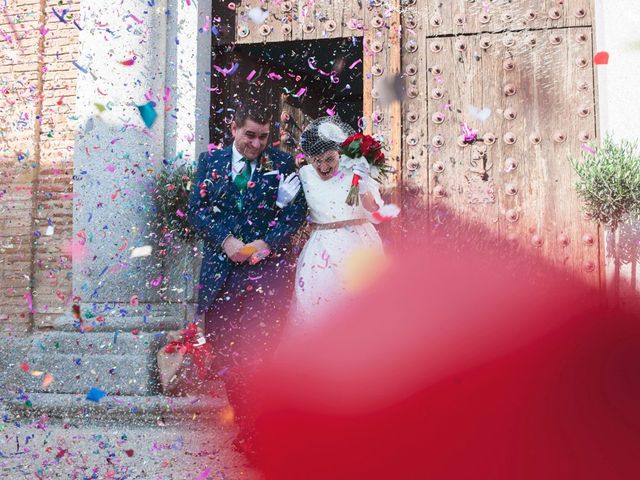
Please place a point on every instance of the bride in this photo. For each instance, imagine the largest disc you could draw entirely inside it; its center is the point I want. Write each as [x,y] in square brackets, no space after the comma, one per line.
[340,232]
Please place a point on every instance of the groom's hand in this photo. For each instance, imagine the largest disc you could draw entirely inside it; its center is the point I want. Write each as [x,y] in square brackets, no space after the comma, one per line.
[233,249]
[262,251]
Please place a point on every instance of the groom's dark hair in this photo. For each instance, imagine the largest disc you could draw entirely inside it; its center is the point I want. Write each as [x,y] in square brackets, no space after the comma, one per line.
[253,109]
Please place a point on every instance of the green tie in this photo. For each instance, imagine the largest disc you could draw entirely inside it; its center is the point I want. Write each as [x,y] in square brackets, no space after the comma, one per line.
[242,179]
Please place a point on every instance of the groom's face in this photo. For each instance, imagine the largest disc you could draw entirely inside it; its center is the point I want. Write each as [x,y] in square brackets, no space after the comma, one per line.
[251,138]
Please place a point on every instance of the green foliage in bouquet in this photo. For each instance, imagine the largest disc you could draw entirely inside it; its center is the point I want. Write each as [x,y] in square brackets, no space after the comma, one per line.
[172,191]
[609,184]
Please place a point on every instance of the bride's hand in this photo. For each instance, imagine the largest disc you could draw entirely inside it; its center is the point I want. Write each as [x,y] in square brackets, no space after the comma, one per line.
[369,202]
[288,189]
[362,169]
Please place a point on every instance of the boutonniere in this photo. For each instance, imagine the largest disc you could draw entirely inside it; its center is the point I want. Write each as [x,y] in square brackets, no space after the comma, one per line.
[266,164]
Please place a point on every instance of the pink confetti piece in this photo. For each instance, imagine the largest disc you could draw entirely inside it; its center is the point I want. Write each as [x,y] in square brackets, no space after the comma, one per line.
[129,62]
[353,65]
[29,299]
[110,168]
[274,76]
[156,281]
[251,75]
[204,474]
[69,196]
[588,149]
[601,58]
[213,146]
[301,92]
[47,380]
[135,19]
[180,213]
[331,111]
[227,71]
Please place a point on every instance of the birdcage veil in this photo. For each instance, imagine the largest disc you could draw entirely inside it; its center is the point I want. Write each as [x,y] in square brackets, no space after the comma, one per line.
[323,134]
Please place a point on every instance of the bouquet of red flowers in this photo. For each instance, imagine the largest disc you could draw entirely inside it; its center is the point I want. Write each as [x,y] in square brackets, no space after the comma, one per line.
[187,355]
[367,147]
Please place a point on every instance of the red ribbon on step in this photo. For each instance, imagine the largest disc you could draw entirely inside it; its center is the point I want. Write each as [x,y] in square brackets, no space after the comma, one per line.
[188,345]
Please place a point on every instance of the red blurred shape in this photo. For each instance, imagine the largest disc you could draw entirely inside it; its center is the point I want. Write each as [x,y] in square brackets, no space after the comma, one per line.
[465,361]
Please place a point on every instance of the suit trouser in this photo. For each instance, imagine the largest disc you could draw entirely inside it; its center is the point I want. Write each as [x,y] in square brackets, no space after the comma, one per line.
[244,324]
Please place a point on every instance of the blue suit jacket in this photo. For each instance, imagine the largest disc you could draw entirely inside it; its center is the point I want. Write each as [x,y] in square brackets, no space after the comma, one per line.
[216,215]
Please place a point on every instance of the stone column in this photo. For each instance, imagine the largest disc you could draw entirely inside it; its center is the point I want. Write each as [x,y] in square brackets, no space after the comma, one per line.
[122,63]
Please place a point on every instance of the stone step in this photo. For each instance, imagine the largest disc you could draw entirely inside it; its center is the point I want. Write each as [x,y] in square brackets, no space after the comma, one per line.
[131,410]
[118,342]
[126,374]
[112,323]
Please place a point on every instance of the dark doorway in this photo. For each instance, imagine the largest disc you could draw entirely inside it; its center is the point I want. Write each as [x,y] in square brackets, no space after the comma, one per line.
[302,80]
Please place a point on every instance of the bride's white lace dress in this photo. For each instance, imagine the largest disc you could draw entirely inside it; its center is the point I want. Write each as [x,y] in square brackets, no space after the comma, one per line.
[323,263]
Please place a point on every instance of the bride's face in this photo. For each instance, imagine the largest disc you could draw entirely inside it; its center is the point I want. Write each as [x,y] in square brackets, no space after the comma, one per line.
[326,163]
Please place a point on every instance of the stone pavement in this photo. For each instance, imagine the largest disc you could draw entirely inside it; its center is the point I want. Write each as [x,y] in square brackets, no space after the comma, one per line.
[110,439]
[47,450]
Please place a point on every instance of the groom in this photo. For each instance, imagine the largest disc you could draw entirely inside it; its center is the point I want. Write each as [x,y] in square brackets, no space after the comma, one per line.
[245,278]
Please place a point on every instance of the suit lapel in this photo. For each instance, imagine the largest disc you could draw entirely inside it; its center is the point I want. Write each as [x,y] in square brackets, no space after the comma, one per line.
[223,165]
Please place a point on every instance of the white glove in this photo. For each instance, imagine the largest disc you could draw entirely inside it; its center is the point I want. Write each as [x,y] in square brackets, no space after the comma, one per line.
[288,189]
[362,169]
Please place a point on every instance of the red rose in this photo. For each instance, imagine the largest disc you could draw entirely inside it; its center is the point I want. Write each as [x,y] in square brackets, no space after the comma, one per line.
[352,138]
[378,157]
[367,145]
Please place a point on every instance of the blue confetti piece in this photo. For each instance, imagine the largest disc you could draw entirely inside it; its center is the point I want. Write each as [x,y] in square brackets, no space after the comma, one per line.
[95,394]
[60,15]
[82,69]
[148,114]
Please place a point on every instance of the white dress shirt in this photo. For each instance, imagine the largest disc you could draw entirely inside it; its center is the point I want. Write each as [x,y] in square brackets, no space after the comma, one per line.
[237,164]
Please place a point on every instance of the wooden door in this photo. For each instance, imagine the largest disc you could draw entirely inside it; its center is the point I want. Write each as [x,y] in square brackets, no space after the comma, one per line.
[521,75]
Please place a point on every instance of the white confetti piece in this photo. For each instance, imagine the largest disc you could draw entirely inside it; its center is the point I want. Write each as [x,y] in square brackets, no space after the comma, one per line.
[257,15]
[141,251]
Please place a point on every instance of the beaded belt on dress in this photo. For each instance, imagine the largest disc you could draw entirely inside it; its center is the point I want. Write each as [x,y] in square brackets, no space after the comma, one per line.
[333,225]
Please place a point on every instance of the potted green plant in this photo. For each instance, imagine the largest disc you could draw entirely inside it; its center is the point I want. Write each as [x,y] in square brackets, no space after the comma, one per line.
[176,239]
[609,188]
[173,186]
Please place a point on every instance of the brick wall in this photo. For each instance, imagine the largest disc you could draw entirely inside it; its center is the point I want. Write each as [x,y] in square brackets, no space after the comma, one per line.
[37,104]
